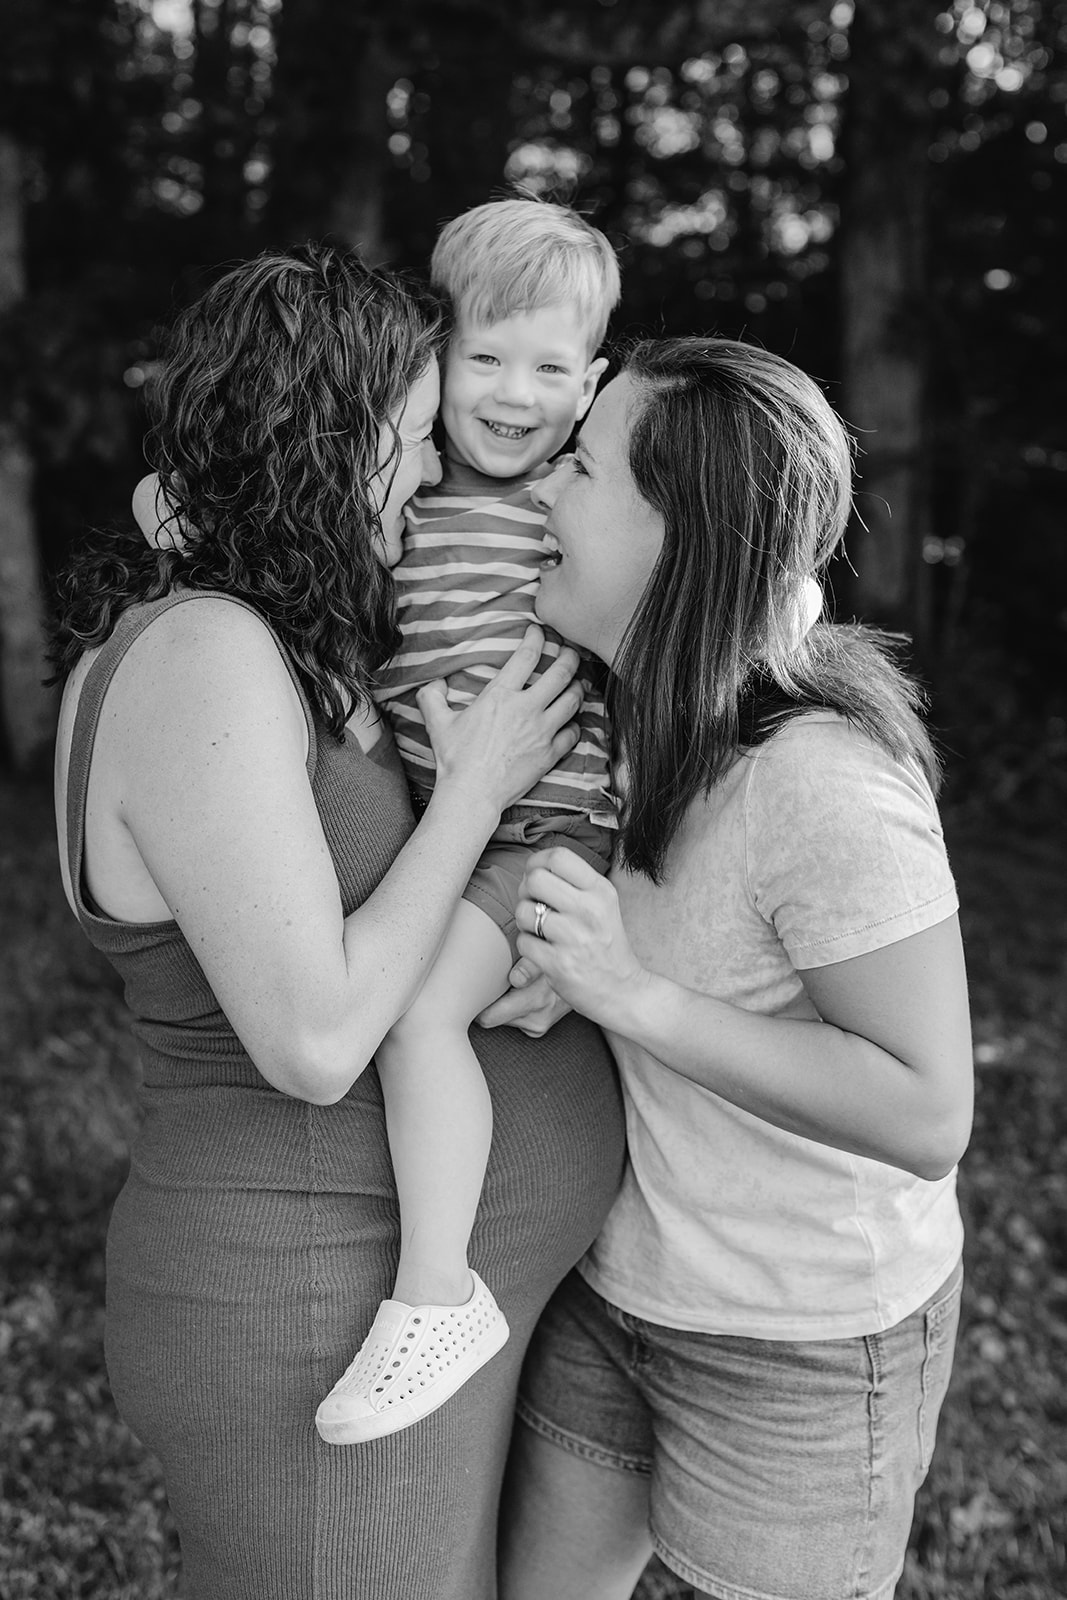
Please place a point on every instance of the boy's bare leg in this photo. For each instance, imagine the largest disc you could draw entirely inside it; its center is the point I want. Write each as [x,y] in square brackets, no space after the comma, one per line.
[438,1111]
[439,1120]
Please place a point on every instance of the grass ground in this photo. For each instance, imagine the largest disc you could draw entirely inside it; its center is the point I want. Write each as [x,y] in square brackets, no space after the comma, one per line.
[82,1513]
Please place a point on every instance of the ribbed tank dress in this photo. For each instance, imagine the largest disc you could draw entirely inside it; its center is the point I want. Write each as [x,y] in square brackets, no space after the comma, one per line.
[256,1235]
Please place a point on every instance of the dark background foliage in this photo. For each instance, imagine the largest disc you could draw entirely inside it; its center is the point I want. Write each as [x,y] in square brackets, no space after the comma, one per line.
[732,152]
[876,189]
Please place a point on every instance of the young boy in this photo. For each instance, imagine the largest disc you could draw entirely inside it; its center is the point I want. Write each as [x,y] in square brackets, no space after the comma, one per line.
[531,286]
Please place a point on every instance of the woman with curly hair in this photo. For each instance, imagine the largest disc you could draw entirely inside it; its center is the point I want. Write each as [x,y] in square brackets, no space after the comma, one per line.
[236,837]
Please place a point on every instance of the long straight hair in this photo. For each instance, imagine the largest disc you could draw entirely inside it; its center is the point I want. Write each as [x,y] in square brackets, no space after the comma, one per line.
[276,391]
[750,470]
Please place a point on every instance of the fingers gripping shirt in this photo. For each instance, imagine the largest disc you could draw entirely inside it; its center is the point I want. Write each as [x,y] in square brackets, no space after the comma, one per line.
[466,589]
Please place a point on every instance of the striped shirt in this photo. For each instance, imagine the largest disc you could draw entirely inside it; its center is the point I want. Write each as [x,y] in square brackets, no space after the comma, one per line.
[466,588]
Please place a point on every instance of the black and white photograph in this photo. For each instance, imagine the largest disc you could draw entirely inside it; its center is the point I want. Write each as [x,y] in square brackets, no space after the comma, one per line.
[533,766]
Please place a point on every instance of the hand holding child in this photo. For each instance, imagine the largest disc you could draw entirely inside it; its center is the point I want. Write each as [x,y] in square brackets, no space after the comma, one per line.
[571,927]
[513,733]
[531,1004]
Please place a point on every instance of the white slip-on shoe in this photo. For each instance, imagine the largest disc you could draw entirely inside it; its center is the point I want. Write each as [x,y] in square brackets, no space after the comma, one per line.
[412,1360]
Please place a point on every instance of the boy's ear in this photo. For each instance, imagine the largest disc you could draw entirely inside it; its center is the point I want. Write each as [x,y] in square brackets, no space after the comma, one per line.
[154,517]
[593,374]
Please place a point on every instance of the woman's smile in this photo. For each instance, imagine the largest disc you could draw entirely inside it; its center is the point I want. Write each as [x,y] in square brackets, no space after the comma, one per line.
[553,554]
[599,525]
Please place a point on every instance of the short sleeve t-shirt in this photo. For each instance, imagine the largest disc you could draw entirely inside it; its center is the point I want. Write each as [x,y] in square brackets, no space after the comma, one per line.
[816,847]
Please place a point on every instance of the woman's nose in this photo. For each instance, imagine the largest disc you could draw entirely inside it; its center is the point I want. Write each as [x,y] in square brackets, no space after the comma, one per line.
[431,464]
[545,490]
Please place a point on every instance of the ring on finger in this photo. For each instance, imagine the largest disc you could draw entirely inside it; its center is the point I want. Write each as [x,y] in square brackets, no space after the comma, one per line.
[540,912]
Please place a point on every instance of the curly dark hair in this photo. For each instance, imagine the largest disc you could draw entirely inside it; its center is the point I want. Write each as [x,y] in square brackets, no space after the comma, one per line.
[267,414]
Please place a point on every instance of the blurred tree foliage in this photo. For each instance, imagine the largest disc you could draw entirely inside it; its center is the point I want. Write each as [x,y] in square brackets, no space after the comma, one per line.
[743,156]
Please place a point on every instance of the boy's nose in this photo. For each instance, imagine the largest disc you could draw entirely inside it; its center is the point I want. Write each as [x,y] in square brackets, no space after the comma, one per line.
[514,387]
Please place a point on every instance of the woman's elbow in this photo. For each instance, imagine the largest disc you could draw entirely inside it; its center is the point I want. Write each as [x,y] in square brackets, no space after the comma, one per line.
[942,1146]
[318,1072]
[933,1168]
[321,1091]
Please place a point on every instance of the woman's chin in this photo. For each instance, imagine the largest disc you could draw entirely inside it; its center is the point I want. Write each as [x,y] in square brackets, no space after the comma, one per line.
[546,612]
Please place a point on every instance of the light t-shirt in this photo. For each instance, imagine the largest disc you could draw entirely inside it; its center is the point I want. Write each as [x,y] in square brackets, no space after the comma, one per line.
[815,847]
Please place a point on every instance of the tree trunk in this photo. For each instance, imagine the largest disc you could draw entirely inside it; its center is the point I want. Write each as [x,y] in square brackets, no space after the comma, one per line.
[883,302]
[357,210]
[470,119]
[226,134]
[329,111]
[27,710]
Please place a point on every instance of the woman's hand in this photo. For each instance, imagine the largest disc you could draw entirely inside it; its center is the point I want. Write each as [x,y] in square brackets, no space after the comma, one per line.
[531,1004]
[582,949]
[513,733]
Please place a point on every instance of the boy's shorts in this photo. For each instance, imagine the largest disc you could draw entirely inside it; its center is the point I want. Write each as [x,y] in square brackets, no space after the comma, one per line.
[494,884]
[777,1470]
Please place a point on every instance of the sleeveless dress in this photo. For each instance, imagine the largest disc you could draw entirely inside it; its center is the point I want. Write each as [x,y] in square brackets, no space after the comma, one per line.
[257,1233]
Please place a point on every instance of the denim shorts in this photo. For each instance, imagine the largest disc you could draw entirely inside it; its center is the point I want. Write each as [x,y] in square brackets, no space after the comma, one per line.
[494,884]
[777,1470]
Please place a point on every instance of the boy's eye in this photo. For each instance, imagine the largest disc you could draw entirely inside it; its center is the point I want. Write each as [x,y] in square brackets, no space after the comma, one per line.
[549,366]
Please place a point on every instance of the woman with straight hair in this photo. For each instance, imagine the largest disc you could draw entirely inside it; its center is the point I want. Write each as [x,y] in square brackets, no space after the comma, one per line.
[237,838]
[746,1369]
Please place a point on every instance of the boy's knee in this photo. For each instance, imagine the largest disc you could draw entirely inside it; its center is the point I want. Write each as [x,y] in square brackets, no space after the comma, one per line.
[427,1020]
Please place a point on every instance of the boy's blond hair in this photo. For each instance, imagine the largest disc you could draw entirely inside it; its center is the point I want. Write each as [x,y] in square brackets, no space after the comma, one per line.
[510,256]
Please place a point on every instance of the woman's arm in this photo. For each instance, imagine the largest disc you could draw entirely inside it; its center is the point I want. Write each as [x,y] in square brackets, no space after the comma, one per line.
[886,1073]
[200,757]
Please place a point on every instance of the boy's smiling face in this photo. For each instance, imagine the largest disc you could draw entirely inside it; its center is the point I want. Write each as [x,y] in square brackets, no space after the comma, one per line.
[514,389]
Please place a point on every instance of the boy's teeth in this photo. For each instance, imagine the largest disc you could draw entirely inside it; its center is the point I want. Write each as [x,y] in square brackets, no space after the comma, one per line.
[503,432]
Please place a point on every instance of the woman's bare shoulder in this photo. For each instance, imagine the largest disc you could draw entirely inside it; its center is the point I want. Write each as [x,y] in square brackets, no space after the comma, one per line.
[210,620]
[209,639]
[205,664]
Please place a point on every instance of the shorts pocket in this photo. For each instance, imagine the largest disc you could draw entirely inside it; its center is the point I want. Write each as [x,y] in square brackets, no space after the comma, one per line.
[941,1322]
